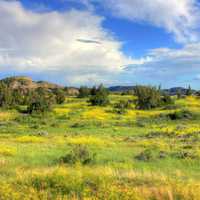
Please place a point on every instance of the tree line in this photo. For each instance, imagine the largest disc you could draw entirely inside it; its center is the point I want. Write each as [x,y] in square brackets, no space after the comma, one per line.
[42,99]
[37,100]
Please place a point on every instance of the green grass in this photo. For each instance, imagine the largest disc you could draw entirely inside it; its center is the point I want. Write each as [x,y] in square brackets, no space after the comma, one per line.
[139,154]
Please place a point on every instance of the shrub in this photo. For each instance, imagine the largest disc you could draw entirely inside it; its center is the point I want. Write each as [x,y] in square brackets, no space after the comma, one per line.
[167,100]
[189,91]
[100,97]
[122,106]
[185,155]
[79,153]
[41,102]
[150,155]
[39,105]
[59,96]
[171,107]
[84,92]
[183,114]
[146,155]
[179,94]
[147,97]
[6,99]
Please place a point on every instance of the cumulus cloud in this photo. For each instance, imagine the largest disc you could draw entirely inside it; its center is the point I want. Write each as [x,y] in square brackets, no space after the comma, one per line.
[70,44]
[179,17]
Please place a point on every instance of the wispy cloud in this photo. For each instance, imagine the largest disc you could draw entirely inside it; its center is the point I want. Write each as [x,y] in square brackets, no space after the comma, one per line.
[168,66]
[178,17]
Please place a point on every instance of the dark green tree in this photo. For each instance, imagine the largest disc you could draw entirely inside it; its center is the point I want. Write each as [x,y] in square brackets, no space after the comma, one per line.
[39,105]
[100,97]
[6,99]
[84,92]
[59,96]
[147,97]
[41,101]
[178,94]
[93,91]
[167,99]
[189,91]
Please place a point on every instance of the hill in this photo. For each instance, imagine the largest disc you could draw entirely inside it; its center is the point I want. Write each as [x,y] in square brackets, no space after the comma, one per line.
[121,88]
[25,84]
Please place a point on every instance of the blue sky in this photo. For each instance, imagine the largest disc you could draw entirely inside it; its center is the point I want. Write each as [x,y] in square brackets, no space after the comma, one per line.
[115,42]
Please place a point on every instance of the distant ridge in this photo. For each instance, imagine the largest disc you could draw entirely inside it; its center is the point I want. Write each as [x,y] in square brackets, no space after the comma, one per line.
[24,82]
[170,91]
[121,88]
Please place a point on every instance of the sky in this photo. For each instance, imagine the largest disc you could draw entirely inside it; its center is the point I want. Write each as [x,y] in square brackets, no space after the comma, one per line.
[114,42]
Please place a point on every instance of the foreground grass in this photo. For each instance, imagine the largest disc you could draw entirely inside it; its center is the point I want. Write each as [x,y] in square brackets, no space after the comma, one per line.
[138,154]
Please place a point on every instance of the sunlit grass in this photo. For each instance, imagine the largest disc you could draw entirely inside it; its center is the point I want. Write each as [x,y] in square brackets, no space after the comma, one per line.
[31,167]
[88,140]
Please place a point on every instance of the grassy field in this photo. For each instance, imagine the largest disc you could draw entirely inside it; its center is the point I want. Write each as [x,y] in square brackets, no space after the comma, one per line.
[137,155]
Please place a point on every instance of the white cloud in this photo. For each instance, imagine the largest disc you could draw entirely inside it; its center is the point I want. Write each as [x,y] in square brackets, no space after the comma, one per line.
[71,43]
[169,66]
[179,17]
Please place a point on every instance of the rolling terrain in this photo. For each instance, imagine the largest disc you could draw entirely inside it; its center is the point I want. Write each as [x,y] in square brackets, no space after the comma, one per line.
[79,151]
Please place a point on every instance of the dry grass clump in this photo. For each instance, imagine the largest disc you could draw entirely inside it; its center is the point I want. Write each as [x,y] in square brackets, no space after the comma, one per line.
[6,116]
[96,183]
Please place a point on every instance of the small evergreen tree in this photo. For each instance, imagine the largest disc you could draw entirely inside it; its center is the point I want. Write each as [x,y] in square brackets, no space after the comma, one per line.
[6,99]
[41,101]
[59,96]
[84,92]
[189,91]
[100,97]
[17,97]
[147,97]
[93,91]
[166,99]
[178,94]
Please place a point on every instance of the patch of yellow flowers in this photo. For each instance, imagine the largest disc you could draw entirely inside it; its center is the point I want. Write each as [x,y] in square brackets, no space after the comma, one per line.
[7,151]
[178,130]
[96,114]
[61,111]
[29,139]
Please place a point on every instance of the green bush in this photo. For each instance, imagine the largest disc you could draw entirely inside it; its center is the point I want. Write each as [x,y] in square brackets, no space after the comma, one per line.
[147,97]
[59,96]
[100,97]
[167,100]
[185,155]
[84,92]
[79,153]
[146,155]
[6,99]
[151,155]
[183,114]
[122,106]
[189,91]
[40,103]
